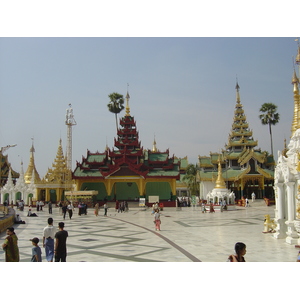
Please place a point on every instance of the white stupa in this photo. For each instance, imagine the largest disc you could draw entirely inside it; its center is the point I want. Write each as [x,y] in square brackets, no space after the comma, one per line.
[220,192]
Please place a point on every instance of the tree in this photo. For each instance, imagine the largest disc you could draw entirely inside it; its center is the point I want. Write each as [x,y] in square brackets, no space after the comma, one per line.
[116,104]
[190,178]
[269,117]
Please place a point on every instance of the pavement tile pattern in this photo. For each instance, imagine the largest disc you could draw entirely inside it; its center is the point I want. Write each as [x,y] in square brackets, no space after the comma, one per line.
[187,235]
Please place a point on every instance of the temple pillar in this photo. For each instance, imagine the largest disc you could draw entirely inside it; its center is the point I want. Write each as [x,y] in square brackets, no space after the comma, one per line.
[280,212]
[292,236]
[173,187]
[47,195]
[108,185]
[141,186]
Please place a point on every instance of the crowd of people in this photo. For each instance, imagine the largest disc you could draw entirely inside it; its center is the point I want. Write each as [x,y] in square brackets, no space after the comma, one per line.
[54,242]
[121,206]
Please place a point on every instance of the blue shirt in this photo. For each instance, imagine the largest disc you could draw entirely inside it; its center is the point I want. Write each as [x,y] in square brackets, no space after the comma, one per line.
[36,250]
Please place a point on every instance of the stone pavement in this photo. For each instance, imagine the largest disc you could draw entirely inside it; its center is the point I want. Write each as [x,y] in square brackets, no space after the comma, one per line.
[186,235]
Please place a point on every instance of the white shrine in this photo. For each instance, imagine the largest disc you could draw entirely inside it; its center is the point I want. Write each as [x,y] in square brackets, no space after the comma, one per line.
[20,191]
[220,192]
[287,178]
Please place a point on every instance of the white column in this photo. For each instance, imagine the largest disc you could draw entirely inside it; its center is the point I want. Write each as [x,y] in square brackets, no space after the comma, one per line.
[292,236]
[281,227]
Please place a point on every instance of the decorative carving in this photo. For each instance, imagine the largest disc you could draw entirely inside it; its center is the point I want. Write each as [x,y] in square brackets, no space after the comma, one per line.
[269,225]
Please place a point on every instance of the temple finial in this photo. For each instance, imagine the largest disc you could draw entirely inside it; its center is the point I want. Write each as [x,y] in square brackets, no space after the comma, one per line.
[127,110]
[154,148]
[237,87]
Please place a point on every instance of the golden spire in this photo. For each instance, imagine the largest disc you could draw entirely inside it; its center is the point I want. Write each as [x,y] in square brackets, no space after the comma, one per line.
[220,183]
[154,149]
[285,150]
[127,110]
[59,172]
[237,87]
[31,167]
[296,121]
[298,55]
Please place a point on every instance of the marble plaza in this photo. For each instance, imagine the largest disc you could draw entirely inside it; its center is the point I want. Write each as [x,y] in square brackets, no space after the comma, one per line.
[186,235]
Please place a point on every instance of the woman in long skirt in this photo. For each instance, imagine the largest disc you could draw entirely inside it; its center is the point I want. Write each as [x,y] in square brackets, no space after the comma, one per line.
[96,209]
[157,220]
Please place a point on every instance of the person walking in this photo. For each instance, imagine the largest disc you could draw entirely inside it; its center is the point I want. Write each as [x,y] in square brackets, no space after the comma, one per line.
[240,251]
[64,209]
[157,220]
[10,246]
[60,247]
[105,209]
[70,209]
[48,240]
[50,207]
[60,207]
[36,250]
[211,207]
[253,196]
[247,202]
[96,209]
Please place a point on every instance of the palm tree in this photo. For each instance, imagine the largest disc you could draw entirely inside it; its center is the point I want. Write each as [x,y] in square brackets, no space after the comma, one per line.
[269,117]
[191,179]
[116,104]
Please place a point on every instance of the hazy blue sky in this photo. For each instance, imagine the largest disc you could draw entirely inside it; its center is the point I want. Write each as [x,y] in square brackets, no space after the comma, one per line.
[182,90]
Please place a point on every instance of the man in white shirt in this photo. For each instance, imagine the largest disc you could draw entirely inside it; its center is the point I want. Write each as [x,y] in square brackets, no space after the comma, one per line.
[70,209]
[48,240]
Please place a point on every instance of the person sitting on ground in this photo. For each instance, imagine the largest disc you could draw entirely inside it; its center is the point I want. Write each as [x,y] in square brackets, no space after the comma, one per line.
[240,250]
[31,214]
[18,220]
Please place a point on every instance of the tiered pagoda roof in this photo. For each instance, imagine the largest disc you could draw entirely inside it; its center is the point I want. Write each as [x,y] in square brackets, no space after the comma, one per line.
[31,168]
[239,151]
[59,173]
[127,158]
[5,169]
[241,135]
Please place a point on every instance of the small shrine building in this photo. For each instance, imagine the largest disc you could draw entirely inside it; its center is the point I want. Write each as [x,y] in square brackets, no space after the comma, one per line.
[245,169]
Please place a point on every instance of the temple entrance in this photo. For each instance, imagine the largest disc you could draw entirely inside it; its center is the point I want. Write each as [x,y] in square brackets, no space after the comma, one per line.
[18,196]
[161,189]
[42,195]
[53,196]
[30,196]
[250,187]
[95,186]
[125,191]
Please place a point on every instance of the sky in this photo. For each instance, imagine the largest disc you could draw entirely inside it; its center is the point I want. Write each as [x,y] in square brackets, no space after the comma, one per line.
[182,91]
[182,88]
[179,63]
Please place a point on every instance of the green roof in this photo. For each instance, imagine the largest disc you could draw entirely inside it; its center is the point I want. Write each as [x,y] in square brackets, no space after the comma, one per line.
[87,173]
[158,156]
[163,173]
[96,158]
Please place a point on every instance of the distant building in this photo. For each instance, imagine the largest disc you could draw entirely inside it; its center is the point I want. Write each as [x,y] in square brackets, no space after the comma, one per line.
[245,169]
[127,171]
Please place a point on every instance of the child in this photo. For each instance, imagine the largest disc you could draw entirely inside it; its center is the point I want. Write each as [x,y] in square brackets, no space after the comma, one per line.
[36,250]
[240,250]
